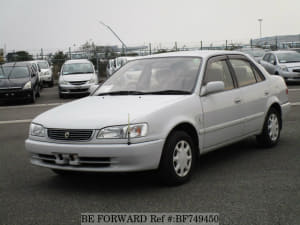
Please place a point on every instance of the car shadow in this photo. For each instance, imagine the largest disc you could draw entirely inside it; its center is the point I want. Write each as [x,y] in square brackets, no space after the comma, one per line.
[15,102]
[119,182]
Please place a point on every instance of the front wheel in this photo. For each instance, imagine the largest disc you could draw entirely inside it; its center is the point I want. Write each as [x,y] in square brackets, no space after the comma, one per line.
[33,97]
[271,130]
[178,159]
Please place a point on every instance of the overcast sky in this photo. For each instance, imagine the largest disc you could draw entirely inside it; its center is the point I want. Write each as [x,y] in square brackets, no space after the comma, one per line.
[59,24]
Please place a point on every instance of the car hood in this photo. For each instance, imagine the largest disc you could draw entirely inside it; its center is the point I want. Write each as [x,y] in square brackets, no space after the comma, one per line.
[77,77]
[95,112]
[13,83]
[291,65]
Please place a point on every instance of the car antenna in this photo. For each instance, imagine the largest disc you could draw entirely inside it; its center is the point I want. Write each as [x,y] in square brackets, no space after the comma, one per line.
[128,130]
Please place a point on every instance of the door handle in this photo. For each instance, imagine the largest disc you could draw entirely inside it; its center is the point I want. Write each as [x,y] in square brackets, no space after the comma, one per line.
[266,92]
[237,100]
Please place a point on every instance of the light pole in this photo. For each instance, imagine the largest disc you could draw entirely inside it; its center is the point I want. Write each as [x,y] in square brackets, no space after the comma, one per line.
[124,47]
[260,21]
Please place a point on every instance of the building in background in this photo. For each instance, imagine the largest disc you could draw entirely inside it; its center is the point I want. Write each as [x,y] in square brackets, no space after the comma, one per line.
[278,42]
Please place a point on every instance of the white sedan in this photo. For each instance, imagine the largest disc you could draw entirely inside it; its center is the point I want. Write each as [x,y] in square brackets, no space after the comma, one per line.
[160,113]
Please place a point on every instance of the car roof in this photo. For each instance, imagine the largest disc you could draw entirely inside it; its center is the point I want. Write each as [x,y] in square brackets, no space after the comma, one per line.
[23,63]
[72,61]
[199,53]
[285,51]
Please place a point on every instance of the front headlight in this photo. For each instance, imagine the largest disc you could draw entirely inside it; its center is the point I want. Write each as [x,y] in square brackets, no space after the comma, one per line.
[47,73]
[63,82]
[92,81]
[284,68]
[121,132]
[27,85]
[37,130]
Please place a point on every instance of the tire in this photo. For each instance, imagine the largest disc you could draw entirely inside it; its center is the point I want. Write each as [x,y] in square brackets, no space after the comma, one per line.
[61,95]
[178,159]
[33,97]
[271,130]
[38,93]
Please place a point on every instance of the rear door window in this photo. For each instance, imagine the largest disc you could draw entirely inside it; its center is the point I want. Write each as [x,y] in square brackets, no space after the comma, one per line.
[243,71]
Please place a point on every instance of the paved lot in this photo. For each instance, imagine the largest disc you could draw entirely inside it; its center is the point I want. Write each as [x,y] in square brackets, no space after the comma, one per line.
[244,183]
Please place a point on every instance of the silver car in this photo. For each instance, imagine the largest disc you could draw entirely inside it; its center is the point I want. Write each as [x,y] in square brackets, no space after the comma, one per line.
[160,113]
[46,72]
[77,77]
[283,63]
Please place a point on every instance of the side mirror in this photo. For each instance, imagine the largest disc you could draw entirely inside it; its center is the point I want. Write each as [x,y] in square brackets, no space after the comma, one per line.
[212,87]
[274,63]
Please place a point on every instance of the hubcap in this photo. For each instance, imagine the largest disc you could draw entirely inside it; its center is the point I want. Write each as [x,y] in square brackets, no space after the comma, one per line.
[273,127]
[182,158]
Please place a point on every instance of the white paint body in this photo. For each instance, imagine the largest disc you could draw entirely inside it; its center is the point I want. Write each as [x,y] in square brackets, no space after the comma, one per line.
[218,118]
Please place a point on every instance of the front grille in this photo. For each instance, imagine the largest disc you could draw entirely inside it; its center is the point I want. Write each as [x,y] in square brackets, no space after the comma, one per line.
[70,135]
[74,160]
[78,90]
[78,82]
[296,70]
[12,89]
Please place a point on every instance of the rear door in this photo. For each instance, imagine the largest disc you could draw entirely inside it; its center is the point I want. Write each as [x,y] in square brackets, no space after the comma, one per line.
[222,113]
[254,90]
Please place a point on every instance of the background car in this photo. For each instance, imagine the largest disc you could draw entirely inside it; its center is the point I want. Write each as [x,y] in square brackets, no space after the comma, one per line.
[255,53]
[38,71]
[76,77]
[46,72]
[283,63]
[110,69]
[18,81]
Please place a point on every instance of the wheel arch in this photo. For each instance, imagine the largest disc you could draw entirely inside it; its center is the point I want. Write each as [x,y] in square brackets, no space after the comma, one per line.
[190,130]
[277,107]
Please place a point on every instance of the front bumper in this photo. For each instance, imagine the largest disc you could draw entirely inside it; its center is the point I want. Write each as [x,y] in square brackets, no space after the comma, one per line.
[75,89]
[15,94]
[46,78]
[96,157]
[290,76]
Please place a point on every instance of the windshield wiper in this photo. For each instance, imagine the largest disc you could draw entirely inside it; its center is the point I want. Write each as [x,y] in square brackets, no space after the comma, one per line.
[169,92]
[122,93]
[73,73]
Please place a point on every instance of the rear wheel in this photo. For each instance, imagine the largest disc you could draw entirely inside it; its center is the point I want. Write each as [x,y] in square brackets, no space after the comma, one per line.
[38,91]
[33,97]
[271,130]
[178,159]
[51,83]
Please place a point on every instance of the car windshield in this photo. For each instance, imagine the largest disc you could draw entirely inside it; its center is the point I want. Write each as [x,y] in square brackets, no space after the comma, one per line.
[256,53]
[77,68]
[288,57]
[172,75]
[43,65]
[14,72]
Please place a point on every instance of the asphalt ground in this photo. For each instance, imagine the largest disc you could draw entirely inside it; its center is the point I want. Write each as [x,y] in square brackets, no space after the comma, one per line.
[246,184]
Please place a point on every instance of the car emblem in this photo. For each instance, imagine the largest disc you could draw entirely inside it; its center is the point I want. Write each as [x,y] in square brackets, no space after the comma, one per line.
[67,135]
